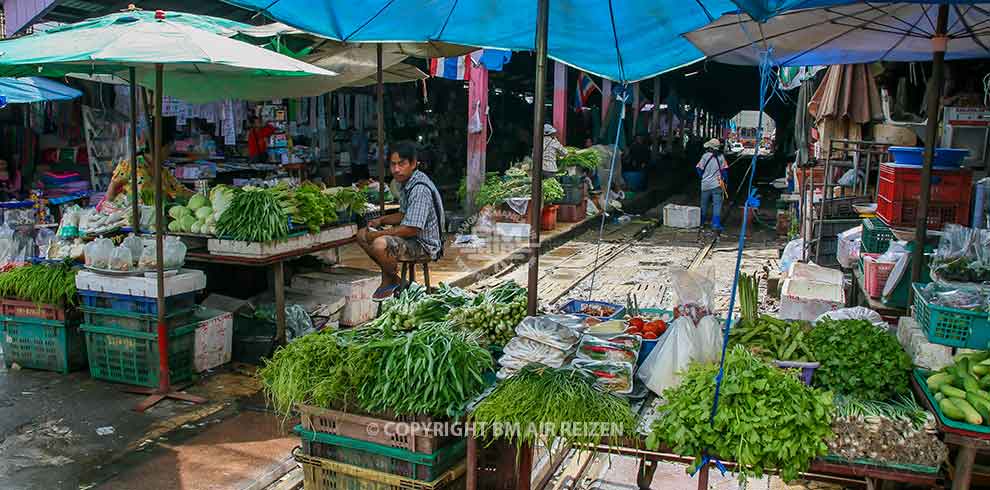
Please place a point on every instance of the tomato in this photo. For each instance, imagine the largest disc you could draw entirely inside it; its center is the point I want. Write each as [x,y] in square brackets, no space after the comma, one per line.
[636,322]
[633,331]
[650,336]
[662,328]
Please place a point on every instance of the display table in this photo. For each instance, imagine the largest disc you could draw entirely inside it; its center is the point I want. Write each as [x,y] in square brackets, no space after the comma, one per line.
[276,262]
[969,443]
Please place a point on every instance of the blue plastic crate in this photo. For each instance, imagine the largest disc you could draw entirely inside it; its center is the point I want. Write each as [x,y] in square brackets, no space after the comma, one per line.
[135,304]
[574,306]
[944,157]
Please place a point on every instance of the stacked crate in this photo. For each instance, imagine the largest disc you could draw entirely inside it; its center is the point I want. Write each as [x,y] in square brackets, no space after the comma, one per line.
[41,336]
[346,450]
[899,192]
[120,321]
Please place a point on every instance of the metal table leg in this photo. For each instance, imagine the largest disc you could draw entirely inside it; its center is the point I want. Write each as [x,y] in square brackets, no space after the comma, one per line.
[471,477]
[279,273]
[646,471]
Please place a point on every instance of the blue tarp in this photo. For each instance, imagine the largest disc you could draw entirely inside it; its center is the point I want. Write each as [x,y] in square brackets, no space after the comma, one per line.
[34,89]
[623,41]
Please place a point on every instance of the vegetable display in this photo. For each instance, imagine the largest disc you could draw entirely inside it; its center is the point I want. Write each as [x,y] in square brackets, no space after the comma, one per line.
[433,370]
[413,307]
[310,369]
[585,158]
[552,191]
[771,338]
[858,359]
[48,284]
[544,403]
[749,297]
[517,183]
[314,208]
[494,312]
[786,432]
[962,390]
[254,215]
[348,199]
[900,432]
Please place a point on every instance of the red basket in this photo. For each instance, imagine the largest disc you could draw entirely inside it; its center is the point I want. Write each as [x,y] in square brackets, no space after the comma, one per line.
[904,184]
[904,213]
[29,309]
[572,213]
[875,274]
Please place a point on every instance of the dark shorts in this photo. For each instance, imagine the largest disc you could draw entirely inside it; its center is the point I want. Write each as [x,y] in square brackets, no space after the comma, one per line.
[406,249]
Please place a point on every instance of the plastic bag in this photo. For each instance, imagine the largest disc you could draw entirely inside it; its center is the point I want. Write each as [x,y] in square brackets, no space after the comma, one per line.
[521,351]
[708,340]
[610,376]
[136,246]
[545,330]
[98,253]
[894,252]
[297,322]
[849,245]
[43,240]
[6,243]
[147,260]
[121,259]
[692,293]
[662,368]
[505,373]
[596,349]
[793,252]
[854,313]
[69,225]
[175,253]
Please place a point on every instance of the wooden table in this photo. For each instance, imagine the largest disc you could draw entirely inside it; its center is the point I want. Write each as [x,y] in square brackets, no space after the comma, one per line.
[276,262]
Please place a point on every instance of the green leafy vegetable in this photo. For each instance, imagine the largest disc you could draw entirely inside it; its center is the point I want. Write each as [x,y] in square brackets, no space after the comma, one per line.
[495,312]
[858,359]
[586,158]
[767,419]
[254,215]
[46,284]
[771,338]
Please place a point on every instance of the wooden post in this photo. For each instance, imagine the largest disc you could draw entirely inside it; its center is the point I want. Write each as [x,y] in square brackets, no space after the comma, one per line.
[606,98]
[135,207]
[380,90]
[471,476]
[536,191]
[560,101]
[656,117]
[476,142]
[163,366]
[703,477]
[333,151]
[524,473]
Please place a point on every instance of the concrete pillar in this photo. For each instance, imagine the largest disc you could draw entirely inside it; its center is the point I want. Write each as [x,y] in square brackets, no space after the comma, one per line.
[560,100]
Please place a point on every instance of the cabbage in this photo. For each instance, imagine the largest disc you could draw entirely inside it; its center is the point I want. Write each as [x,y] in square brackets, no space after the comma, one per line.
[178,211]
[174,226]
[196,227]
[203,212]
[220,197]
[187,222]
[198,201]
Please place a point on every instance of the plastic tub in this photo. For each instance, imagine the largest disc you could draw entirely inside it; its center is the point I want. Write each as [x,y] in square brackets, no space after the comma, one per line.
[549,219]
[912,155]
[635,179]
[807,369]
[574,306]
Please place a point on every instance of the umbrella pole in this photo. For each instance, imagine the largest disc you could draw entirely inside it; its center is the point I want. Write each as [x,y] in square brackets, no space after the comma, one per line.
[380,89]
[164,389]
[931,132]
[135,208]
[536,193]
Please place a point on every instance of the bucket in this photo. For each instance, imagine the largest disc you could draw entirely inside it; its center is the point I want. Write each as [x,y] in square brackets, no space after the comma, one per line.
[549,219]
[635,179]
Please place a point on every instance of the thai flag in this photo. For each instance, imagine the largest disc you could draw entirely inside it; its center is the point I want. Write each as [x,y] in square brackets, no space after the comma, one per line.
[585,86]
[455,68]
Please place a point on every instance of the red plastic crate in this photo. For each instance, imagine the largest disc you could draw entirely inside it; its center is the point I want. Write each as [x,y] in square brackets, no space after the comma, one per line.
[904,213]
[904,184]
[875,274]
[29,309]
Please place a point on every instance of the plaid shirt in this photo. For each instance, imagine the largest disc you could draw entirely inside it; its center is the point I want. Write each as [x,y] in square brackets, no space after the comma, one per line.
[418,210]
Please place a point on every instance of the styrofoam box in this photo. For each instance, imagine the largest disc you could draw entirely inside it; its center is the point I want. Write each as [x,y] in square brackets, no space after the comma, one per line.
[214,339]
[335,233]
[802,299]
[240,248]
[815,273]
[677,216]
[356,285]
[185,281]
[358,312]
[512,230]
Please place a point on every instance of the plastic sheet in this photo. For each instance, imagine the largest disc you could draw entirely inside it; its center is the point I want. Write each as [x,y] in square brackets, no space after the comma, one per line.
[610,376]
[596,349]
[547,330]
[521,351]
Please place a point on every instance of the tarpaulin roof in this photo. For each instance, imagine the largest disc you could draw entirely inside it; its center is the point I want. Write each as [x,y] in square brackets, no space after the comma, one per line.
[201,63]
[624,41]
[34,89]
[820,32]
[764,9]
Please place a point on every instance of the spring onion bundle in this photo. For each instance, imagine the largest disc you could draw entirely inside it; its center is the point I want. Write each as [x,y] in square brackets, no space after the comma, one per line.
[255,215]
[47,284]
[899,432]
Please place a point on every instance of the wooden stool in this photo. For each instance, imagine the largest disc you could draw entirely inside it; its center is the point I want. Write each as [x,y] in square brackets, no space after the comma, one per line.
[408,273]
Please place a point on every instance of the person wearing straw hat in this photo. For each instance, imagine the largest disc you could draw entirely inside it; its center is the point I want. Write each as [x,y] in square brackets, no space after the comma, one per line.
[713,172]
[552,149]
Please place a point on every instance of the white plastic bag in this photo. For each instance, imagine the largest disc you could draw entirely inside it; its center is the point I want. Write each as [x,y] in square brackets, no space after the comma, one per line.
[849,245]
[174,252]
[121,260]
[135,244]
[98,253]
[692,293]
[545,330]
[521,351]
[147,260]
[708,340]
[855,313]
[793,252]
[43,239]
[662,368]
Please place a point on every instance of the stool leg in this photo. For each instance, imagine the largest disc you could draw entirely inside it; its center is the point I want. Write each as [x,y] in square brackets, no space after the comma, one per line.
[402,274]
[426,276]
[412,272]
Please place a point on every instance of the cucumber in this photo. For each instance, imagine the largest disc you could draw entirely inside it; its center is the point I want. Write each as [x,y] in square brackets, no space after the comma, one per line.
[936,380]
[951,369]
[949,408]
[978,357]
[979,369]
[970,384]
[951,391]
[939,396]
[985,382]
[971,415]
[962,367]
[982,406]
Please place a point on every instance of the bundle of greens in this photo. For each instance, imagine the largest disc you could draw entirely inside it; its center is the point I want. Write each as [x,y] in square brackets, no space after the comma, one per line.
[858,359]
[292,374]
[773,339]
[494,312]
[516,183]
[434,370]
[314,208]
[409,309]
[749,297]
[256,215]
[766,419]
[584,158]
[899,432]
[540,403]
[43,284]
[553,192]
[348,199]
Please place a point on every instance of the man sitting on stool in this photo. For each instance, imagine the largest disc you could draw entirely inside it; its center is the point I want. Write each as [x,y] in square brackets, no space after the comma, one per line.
[414,234]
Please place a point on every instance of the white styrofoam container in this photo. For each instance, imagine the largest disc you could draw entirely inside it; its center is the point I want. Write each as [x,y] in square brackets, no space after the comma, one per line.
[348,282]
[677,216]
[512,230]
[185,281]
[335,233]
[802,299]
[214,339]
[358,312]
[815,273]
[219,246]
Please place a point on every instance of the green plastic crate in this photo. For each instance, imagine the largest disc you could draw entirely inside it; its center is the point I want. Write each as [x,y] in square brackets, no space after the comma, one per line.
[921,376]
[137,322]
[898,298]
[126,356]
[951,326]
[35,343]
[876,236]
[387,459]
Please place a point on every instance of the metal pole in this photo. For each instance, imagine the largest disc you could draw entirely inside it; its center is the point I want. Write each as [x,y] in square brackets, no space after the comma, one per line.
[381,134]
[163,381]
[333,151]
[934,108]
[135,208]
[535,204]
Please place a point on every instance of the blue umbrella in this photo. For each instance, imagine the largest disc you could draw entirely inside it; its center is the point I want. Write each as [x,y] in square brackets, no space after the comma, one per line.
[34,89]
